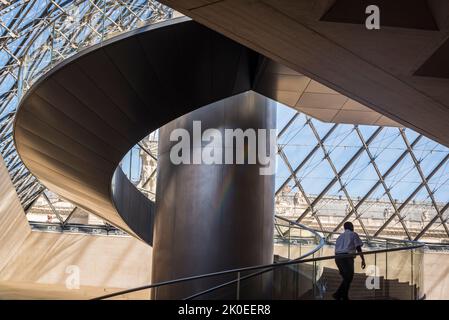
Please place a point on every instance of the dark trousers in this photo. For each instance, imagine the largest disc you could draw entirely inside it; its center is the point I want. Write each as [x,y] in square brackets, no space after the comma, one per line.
[346,268]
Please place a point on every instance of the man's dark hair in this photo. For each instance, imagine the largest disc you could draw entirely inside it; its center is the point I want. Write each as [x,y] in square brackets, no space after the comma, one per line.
[348,226]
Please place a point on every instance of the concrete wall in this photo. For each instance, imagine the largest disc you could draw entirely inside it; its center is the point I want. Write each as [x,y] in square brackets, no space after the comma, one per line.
[436,275]
[39,264]
[14,227]
[46,262]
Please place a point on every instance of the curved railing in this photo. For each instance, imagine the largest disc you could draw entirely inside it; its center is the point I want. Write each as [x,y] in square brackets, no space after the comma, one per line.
[302,277]
[306,243]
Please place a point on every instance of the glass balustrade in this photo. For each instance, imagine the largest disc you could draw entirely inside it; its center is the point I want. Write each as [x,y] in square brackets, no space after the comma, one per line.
[393,272]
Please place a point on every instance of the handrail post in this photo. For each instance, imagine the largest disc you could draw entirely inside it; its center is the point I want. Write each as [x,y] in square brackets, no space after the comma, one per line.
[375,276]
[411,274]
[314,276]
[386,293]
[289,237]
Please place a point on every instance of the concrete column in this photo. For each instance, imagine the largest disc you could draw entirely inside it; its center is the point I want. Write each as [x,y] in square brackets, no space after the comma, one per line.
[213,217]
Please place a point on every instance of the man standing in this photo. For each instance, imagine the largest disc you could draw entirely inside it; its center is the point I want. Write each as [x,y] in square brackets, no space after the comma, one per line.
[348,242]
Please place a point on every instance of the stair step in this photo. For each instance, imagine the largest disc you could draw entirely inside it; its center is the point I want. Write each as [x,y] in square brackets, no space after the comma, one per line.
[391,289]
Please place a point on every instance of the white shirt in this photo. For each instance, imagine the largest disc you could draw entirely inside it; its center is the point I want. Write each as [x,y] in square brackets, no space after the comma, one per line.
[347,242]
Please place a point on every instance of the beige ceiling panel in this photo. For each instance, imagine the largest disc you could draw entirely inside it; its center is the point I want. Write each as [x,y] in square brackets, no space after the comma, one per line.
[321,100]
[289,98]
[386,122]
[317,87]
[295,83]
[325,115]
[359,117]
[354,105]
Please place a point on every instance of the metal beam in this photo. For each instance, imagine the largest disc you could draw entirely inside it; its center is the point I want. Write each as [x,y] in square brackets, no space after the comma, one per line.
[61,220]
[340,173]
[432,221]
[411,195]
[382,181]
[377,184]
[299,186]
[307,158]
[424,181]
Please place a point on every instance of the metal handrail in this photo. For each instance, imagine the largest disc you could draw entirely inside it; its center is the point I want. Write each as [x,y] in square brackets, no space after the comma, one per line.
[271,266]
[311,230]
[321,243]
[330,233]
[368,238]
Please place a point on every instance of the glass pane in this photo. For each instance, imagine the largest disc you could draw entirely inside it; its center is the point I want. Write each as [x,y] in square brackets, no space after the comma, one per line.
[399,284]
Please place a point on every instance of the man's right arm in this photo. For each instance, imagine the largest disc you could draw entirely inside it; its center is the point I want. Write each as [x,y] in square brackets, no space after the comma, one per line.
[358,247]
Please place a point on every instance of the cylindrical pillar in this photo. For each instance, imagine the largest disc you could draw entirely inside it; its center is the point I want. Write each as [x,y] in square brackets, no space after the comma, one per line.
[213,217]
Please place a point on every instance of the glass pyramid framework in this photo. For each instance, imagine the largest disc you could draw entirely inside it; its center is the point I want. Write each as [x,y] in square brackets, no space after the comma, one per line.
[388,181]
